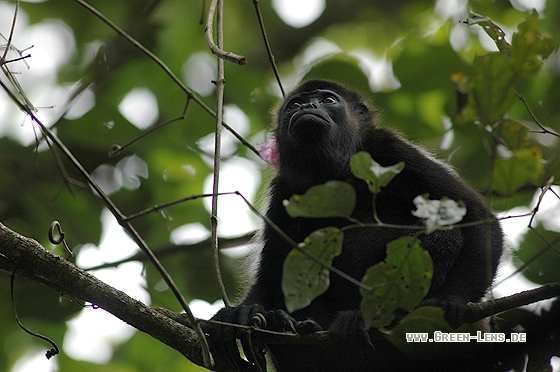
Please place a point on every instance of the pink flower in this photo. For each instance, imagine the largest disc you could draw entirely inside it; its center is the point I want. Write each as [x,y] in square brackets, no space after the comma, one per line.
[269,152]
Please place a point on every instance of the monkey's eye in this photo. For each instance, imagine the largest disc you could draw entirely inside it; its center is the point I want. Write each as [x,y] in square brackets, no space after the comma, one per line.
[294,105]
[328,99]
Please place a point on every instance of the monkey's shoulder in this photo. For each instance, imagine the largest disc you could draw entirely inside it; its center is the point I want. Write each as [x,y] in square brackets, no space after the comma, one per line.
[387,145]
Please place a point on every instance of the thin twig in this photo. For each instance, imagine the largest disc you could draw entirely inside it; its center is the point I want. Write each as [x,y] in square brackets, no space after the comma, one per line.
[172,249]
[116,149]
[267,45]
[50,353]
[543,129]
[11,35]
[220,83]
[549,244]
[3,61]
[544,190]
[59,164]
[203,8]
[158,207]
[16,59]
[217,49]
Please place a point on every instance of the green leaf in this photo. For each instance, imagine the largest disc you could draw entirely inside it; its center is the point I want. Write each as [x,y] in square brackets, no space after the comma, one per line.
[376,176]
[512,134]
[303,279]
[399,282]
[331,199]
[530,46]
[492,86]
[523,166]
[542,261]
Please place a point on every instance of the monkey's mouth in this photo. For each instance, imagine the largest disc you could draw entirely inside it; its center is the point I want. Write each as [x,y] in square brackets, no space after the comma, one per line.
[306,122]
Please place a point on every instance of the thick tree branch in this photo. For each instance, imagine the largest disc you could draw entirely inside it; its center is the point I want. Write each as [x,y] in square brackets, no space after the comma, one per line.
[480,310]
[29,259]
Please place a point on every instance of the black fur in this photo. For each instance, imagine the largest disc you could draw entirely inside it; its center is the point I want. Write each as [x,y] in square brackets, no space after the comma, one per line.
[319,126]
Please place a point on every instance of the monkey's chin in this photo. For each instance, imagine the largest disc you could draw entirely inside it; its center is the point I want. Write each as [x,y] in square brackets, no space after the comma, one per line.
[307,126]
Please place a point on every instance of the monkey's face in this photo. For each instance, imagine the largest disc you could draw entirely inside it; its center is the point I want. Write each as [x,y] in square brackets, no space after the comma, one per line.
[317,128]
[309,116]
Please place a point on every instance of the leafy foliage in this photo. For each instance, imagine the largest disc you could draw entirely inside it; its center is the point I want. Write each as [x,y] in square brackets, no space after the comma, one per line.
[492,89]
[406,52]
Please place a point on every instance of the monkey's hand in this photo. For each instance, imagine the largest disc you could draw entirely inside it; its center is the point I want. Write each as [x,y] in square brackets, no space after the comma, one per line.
[349,327]
[250,324]
[453,305]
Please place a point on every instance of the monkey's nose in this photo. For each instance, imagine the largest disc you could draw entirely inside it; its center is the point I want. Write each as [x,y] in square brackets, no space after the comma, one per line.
[308,105]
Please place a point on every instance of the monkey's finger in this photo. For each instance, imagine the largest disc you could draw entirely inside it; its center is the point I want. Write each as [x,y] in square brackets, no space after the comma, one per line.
[307,326]
[279,320]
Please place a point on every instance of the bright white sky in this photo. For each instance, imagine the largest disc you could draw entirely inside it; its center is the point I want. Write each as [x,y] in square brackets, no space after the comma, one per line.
[53,45]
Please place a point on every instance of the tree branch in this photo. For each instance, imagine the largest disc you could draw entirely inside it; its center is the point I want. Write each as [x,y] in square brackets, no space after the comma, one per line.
[29,259]
[217,49]
[480,310]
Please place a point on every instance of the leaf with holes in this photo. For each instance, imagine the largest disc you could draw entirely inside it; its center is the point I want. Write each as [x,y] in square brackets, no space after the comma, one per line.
[492,29]
[304,279]
[399,282]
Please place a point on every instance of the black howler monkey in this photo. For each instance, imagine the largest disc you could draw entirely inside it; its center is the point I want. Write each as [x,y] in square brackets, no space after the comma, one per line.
[319,126]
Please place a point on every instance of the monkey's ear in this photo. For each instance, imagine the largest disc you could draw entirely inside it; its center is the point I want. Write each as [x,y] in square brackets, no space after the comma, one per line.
[364,113]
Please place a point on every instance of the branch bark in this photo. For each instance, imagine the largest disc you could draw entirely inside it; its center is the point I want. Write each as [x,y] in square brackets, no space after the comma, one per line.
[480,310]
[27,258]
